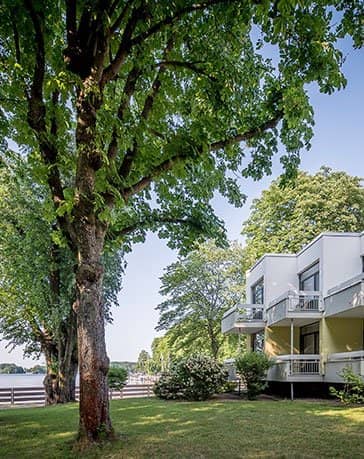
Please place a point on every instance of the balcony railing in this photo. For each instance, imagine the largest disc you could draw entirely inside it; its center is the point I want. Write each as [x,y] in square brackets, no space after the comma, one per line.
[305,366]
[294,302]
[294,365]
[247,317]
[246,313]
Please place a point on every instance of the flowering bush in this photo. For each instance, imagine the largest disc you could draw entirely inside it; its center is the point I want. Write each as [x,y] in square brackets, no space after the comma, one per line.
[192,378]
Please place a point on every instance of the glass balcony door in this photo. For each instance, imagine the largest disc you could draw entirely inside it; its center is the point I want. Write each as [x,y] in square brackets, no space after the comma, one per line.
[310,339]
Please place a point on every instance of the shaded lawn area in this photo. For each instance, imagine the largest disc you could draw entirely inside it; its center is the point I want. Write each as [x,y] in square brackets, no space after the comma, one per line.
[151,428]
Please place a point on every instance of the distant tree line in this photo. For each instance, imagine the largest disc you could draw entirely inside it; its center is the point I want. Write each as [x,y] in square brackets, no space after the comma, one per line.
[12,368]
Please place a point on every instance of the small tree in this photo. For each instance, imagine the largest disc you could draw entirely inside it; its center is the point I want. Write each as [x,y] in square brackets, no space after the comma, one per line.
[117,377]
[353,391]
[192,378]
[252,367]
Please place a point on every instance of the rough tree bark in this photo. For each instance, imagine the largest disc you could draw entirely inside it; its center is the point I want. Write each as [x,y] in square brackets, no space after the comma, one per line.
[67,360]
[50,379]
[95,422]
[61,362]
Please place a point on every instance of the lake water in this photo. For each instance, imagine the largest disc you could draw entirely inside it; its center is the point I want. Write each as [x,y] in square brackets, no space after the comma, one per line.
[21,380]
[28,380]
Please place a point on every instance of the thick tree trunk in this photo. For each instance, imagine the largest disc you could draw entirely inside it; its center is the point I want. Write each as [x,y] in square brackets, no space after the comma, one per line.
[67,360]
[50,379]
[95,423]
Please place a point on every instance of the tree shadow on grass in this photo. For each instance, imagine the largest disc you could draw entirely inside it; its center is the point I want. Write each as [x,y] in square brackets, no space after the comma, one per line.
[157,429]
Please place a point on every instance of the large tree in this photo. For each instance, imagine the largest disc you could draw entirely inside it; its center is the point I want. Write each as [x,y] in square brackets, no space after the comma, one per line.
[285,218]
[37,281]
[199,289]
[134,111]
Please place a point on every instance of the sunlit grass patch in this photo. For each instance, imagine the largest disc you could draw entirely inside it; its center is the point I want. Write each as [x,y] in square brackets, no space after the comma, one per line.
[158,429]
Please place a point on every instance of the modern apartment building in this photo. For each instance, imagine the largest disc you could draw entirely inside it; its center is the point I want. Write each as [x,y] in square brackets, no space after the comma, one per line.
[306,310]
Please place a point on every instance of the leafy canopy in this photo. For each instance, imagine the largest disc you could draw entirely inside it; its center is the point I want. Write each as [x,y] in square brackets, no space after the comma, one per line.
[284,219]
[176,88]
[37,280]
[199,289]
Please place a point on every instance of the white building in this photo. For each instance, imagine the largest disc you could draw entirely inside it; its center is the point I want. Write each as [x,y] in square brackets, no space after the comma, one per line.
[310,308]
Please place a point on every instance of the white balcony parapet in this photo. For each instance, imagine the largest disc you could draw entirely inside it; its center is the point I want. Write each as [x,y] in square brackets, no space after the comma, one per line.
[292,303]
[295,365]
[353,355]
[243,317]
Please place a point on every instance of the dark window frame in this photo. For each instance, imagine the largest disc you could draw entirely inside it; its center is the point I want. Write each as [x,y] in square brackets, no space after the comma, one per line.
[259,283]
[311,272]
[315,333]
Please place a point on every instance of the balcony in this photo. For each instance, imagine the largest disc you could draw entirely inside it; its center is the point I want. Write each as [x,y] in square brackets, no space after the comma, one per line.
[338,361]
[296,367]
[347,299]
[243,318]
[301,306]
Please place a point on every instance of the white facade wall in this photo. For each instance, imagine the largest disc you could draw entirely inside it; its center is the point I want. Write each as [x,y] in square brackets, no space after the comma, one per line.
[341,260]
[281,276]
[279,273]
[338,254]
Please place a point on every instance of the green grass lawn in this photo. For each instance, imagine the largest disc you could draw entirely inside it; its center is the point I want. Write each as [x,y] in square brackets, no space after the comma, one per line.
[217,429]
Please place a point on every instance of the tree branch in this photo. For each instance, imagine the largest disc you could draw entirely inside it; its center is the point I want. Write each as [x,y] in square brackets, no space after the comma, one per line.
[162,220]
[187,65]
[71,22]
[168,164]
[37,119]
[270,124]
[16,37]
[173,18]
[124,47]
[36,112]
[149,101]
[121,16]
[147,108]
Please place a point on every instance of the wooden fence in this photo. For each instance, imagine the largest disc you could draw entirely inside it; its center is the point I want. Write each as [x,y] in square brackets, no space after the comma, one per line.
[36,395]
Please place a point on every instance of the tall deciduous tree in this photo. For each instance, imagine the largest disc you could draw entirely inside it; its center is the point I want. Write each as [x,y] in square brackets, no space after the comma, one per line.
[143,362]
[37,281]
[284,219]
[199,289]
[133,111]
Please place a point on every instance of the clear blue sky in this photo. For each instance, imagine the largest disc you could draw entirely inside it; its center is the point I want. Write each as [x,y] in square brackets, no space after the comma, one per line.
[338,142]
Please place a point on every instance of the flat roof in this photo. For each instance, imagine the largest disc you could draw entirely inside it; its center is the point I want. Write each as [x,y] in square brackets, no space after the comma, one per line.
[316,239]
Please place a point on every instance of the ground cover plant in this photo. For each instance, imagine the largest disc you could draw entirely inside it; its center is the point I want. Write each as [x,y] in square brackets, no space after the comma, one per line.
[353,391]
[151,428]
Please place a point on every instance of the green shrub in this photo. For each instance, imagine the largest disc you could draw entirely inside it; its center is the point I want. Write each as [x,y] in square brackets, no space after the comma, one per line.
[229,386]
[117,377]
[168,387]
[192,378]
[353,391]
[252,368]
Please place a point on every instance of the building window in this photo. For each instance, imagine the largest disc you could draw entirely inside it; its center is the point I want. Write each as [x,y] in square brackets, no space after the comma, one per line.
[310,279]
[258,292]
[258,342]
[310,339]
